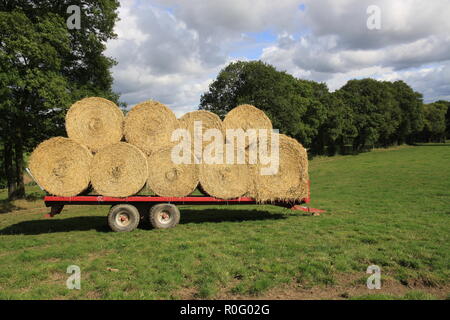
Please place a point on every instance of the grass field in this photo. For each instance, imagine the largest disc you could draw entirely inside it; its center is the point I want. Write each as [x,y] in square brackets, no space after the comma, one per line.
[388,207]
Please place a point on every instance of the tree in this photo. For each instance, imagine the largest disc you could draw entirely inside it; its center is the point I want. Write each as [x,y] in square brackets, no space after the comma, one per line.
[85,66]
[447,116]
[434,127]
[338,129]
[293,105]
[32,88]
[44,68]
[411,118]
[377,114]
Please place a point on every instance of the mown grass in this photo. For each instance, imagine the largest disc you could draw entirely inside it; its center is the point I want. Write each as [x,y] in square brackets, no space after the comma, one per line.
[387,207]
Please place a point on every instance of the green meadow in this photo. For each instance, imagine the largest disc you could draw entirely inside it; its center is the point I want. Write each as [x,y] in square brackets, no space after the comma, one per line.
[388,207]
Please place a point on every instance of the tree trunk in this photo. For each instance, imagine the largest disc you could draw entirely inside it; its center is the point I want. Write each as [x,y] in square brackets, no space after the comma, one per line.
[9,170]
[331,150]
[20,192]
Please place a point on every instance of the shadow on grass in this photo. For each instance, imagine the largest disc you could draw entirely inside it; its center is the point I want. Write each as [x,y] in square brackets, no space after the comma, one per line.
[36,227]
[7,206]
[99,223]
[432,144]
[226,215]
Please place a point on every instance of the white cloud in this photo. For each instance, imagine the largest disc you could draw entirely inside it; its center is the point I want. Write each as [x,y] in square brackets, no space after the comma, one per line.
[230,18]
[170,50]
[321,55]
[402,21]
[160,58]
[340,47]
[432,81]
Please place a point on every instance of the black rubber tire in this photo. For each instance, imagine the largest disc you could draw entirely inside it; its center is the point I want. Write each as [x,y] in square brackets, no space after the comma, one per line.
[129,212]
[171,211]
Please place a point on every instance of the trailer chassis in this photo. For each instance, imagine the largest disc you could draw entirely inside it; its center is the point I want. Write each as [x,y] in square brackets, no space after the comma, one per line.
[162,212]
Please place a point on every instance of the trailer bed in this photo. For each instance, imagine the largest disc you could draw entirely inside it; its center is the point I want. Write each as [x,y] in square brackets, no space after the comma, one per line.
[125,213]
[190,200]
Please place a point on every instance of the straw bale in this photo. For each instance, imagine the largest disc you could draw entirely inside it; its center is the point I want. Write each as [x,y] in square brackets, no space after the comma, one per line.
[167,178]
[119,170]
[95,122]
[149,126]
[61,166]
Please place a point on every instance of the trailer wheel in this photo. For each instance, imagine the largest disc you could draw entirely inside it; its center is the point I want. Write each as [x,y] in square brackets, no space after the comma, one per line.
[164,216]
[123,218]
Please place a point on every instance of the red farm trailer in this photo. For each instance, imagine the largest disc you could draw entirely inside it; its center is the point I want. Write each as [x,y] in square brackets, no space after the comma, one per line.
[162,212]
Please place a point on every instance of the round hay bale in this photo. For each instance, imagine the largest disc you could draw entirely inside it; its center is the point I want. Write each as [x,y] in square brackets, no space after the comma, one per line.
[290,183]
[119,170]
[95,122]
[167,178]
[252,171]
[61,166]
[247,117]
[208,120]
[224,181]
[149,126]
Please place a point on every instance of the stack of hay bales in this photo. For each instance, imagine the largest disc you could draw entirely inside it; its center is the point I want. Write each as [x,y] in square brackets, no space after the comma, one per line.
[228,181]
[92,155]
[117,156]
[290,183]
[149,126]
[248,117]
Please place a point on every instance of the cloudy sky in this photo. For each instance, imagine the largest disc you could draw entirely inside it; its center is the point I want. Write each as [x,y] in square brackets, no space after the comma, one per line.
[171,50]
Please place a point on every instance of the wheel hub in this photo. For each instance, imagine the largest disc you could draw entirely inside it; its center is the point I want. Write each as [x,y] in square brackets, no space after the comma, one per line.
[164,217]
[123,219]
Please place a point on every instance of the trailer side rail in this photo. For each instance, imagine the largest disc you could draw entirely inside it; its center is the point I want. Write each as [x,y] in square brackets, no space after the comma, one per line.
[191,200]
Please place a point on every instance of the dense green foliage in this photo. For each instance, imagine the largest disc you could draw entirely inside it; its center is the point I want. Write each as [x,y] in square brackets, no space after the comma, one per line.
[362,114]
[384,113]
[44,67]
[437,121]
[293,105]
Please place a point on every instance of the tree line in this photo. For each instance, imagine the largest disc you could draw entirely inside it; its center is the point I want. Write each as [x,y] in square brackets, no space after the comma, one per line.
[361,115]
